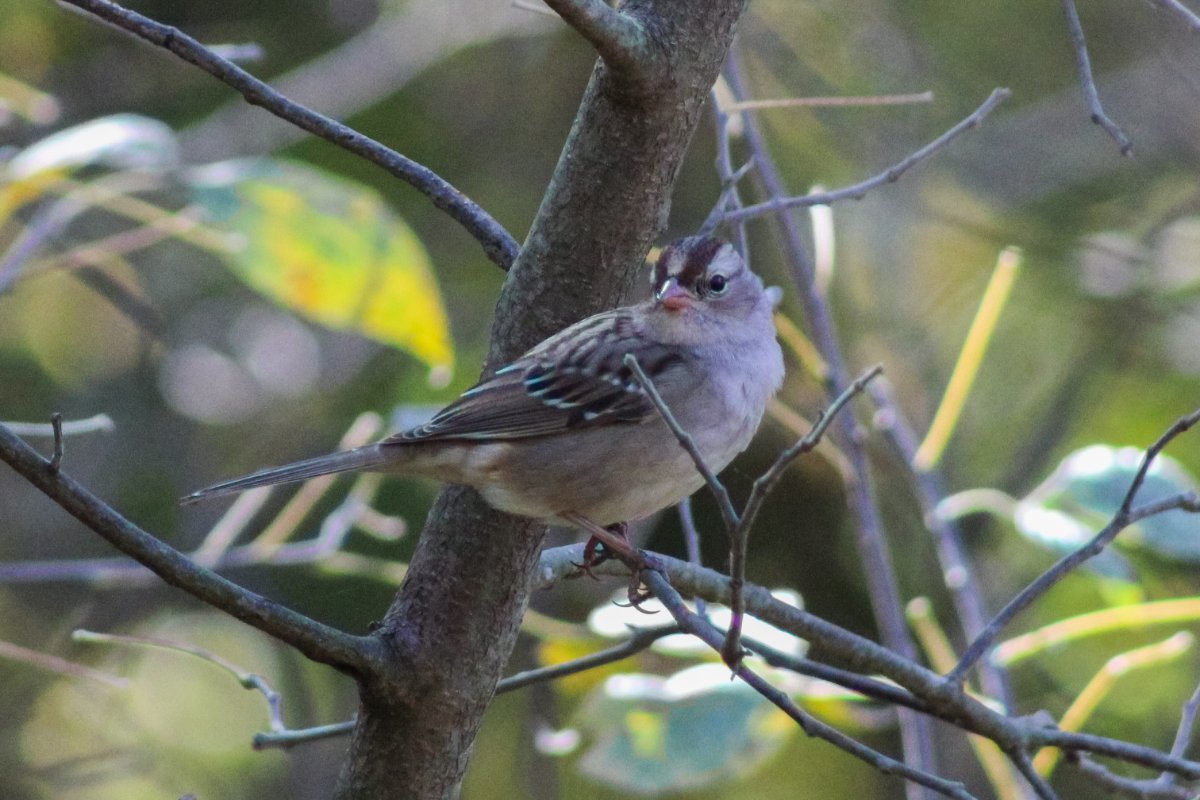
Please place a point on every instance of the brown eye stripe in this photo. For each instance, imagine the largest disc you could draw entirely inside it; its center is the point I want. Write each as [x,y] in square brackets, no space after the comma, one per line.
[700,251]
[687,260]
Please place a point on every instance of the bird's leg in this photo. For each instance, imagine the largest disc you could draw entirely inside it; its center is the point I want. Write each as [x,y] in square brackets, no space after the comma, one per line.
[595,552]
[615,540]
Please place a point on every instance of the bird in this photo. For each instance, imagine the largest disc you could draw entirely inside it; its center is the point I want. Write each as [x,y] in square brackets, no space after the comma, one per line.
[568,435]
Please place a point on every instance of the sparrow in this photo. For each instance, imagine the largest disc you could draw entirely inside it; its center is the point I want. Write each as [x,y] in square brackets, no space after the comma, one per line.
[566,433]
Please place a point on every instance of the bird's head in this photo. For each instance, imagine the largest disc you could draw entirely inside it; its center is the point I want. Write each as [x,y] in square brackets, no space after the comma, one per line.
[700,272]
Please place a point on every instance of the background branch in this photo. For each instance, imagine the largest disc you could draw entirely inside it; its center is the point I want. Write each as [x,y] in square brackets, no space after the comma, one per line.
[1083,67]
[890,175]
[316,641]
[870,542]
[701,628]
[1123,518]
[499,245]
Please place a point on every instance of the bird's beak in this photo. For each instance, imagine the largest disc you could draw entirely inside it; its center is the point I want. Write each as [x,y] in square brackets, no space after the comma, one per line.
[672,296]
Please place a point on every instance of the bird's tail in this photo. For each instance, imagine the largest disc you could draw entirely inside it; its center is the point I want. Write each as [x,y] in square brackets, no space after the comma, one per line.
[347,461]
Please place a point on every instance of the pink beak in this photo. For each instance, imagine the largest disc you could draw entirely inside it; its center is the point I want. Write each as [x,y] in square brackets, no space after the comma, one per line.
[672,296]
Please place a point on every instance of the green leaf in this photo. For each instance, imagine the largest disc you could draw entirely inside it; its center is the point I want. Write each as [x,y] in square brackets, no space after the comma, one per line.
[1087,488]
[652,735]
[331,250]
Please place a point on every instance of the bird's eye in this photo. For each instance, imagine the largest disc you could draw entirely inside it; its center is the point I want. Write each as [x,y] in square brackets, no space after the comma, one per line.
[718,283]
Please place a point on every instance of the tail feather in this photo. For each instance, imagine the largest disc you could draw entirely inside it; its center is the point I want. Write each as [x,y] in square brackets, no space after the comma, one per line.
[347,461]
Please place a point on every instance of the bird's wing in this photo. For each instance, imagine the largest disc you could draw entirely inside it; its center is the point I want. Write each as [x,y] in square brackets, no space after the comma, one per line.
[576,378]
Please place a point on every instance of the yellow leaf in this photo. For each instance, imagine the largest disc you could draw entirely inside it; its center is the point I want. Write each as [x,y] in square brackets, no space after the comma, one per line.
[330,250]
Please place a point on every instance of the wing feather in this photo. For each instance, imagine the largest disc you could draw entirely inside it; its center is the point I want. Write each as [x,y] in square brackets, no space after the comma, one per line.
[576,378]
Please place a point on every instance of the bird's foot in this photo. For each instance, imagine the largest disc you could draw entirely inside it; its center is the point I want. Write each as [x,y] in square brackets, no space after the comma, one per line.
[636,593]
[609,542]
[604,542]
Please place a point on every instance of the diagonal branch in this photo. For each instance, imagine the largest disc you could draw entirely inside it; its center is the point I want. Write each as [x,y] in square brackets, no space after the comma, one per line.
[728,512]
[1124,517]
[704,630]
[1041,787]
[620,40]
[499,245]
[1083,65]
[935,694]
[870,542]
[890,175]
[1137,788]
[957,573]
[315,640]
[737,526]
[740,536]
[1182,11]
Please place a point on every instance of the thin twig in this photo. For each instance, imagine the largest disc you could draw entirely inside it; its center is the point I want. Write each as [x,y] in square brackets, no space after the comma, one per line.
[731,198]
[1083,66]
[640,640]
[1039,784]
[499,245]
[873,551]
[728,198]
[701,628]
[286,739]
[56,458]
[766,482]
[728,512]
[247,679]
[957,573]
[1184,13]
[691,539]
[740,535]
[1183,734]
[890,175]
[317,641]
[1103,746]
[59,666]
[867,687]
[1140,789]
[1124,517]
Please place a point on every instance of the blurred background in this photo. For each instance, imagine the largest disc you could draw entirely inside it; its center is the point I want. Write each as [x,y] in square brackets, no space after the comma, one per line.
[232,295]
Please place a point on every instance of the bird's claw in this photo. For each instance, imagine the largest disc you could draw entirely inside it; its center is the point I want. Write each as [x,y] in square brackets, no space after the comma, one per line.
[594,554]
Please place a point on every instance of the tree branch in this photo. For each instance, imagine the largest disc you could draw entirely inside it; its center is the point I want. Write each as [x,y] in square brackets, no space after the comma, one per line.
[1039,784]
[728,513]
[957,574]
[1124,517]
[934,694]
[318,642]
[1182,11]
[499,245]
[1083,66]
[890,175]
[1130,787]
[619,39]
[870,542]
[704,630]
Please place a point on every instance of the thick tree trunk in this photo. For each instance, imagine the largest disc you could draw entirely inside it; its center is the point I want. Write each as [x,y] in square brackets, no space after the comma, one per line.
[455,619]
